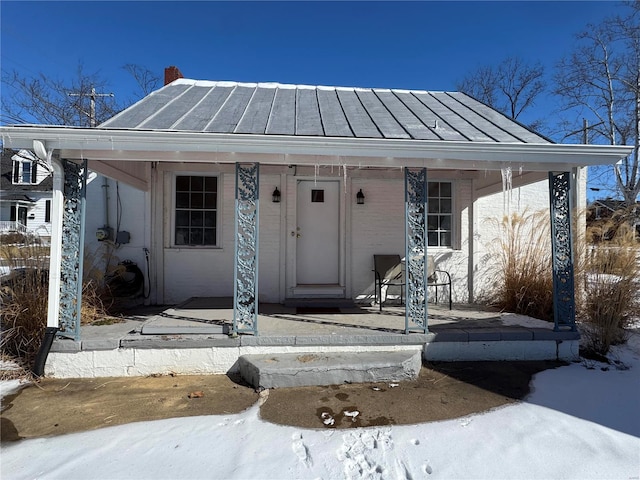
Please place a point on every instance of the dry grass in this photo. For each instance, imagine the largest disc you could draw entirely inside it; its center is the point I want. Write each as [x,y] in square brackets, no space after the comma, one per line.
[609,281]
[24,299]
[523,270]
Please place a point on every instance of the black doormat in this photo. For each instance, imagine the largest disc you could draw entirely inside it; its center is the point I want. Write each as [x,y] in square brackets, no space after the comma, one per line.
[318,310]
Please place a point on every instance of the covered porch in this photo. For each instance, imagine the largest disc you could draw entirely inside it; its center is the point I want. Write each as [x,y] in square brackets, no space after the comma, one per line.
[193,338]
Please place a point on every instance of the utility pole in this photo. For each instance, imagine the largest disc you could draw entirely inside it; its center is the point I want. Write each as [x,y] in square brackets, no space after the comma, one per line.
[92,110]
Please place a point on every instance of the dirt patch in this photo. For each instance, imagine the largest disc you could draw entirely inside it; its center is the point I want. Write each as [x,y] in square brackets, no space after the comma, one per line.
[442,391]
[59,406]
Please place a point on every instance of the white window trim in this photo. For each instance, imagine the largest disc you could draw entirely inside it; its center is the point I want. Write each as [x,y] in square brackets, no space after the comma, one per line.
[455,217]
[172,213]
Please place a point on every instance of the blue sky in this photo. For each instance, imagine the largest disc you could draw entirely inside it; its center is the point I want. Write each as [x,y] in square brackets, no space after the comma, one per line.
[413,45]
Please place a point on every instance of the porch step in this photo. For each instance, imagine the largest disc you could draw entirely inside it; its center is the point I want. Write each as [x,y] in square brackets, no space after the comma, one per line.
[319,303]
[308,369]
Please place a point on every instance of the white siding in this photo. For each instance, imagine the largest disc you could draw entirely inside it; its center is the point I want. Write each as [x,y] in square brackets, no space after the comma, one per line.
[36,214]
[127,208]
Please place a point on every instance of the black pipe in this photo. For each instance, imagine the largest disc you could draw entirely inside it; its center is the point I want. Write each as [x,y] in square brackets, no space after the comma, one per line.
[43,353]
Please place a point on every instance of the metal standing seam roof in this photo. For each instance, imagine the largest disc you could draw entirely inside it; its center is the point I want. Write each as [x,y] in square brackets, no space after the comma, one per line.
[319,111]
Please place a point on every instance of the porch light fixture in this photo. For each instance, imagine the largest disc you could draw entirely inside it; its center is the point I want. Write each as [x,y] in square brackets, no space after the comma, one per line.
[360,198]
[276,196]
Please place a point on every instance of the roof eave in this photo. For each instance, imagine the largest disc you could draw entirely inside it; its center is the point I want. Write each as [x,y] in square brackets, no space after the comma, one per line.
[153,145]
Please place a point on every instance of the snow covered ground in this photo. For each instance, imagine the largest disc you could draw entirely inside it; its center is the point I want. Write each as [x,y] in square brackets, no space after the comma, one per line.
[581,421]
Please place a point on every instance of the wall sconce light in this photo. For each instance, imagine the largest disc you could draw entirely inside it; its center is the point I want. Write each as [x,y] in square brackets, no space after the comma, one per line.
[276,196]
[360,198]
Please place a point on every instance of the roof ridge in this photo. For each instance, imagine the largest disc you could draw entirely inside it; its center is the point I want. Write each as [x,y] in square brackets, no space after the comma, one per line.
[231,83]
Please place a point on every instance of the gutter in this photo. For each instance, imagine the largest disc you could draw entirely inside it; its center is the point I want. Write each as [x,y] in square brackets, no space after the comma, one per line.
[103,143]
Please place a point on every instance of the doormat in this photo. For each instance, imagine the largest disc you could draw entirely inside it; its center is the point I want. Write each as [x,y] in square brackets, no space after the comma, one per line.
[317,310]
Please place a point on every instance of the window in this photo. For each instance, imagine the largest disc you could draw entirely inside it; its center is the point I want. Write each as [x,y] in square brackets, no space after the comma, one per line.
[196,213]
[47,211]
[439,214]
[25,171]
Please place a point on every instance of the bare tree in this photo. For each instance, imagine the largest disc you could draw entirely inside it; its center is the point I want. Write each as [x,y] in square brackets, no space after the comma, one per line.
[45,100]
[146,79]
[600,81]
[511,87]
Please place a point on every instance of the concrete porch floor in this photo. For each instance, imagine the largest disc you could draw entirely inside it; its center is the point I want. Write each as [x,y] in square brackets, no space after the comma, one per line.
[192,337]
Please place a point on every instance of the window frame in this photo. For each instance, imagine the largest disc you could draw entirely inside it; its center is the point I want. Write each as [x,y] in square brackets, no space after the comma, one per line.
[453,215]
[19,170]
[174,210]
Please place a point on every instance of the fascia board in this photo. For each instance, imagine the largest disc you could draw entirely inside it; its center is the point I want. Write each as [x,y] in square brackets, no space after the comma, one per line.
[153,145]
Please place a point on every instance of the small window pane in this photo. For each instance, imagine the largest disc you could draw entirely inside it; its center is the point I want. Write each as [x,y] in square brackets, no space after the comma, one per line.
[432,222]
[182,200]
[197,184]
[209,236]
[445,239]
[211,184]
[433,189]
[197,219]
[445,206]
[182,218]
[317,196]
[432,239]
[197,200]
[210,200]
[445,189]
[209,219]
[445,222]
[195,236]
[182,236]
[182,184]
[433,206]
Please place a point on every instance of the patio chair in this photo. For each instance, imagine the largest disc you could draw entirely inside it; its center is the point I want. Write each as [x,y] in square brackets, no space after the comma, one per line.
[437,278]
[388,272]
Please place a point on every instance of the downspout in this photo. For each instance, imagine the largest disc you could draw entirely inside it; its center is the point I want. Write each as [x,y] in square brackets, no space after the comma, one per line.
[55,262]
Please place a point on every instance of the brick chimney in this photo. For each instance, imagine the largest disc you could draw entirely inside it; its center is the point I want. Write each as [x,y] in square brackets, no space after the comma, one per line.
[172,73]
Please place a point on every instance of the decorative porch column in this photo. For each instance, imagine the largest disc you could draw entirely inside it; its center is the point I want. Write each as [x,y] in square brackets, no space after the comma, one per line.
[415,190]
[72,248]
[564,308]
[245,293]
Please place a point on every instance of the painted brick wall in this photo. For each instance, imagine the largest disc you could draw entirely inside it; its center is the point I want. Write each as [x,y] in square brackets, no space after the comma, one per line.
[489,211]
[378,228]
[202,272]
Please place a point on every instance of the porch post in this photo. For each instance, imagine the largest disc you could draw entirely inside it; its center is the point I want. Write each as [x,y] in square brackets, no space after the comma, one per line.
[415,190]
[564,308]
[245,290]
[72,248]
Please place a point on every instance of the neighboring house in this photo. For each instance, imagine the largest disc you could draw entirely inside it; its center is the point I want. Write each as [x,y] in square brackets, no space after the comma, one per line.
[25,203]
[271,192]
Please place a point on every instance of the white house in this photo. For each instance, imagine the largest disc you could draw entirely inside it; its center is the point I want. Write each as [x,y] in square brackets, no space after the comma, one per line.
[25,203]
[250,190]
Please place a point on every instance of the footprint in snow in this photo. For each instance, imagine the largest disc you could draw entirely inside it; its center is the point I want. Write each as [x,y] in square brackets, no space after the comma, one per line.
[301,450]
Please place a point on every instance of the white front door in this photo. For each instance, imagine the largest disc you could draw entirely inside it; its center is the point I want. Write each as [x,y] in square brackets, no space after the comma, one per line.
[318,233]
